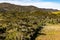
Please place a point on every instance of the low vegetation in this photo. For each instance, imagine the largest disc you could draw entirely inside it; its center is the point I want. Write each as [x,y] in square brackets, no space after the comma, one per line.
[24,22]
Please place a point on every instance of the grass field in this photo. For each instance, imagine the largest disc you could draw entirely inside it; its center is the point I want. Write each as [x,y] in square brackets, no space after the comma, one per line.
[52,32]
[57,12]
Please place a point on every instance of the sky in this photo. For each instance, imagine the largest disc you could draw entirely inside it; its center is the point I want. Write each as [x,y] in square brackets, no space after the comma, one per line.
[51,4]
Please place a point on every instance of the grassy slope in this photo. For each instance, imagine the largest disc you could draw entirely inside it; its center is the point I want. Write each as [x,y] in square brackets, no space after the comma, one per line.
[21,21]
[57,12]
[52,32]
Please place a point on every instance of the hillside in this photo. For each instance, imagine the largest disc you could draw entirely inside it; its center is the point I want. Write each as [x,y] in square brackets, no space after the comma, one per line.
[13,7]
[52,32]
[24,22]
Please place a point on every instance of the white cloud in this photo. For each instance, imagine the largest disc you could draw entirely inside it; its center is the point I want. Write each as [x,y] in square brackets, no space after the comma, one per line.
[43,4]
[38,4]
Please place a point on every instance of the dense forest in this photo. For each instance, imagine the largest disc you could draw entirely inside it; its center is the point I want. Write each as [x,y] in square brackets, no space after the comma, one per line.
[25,22]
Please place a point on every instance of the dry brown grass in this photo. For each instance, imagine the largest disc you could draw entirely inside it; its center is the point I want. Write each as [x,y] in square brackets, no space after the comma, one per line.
[52,33]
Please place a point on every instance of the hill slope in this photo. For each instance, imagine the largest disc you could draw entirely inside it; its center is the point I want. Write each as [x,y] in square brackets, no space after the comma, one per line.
[8,6]
[23,22]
